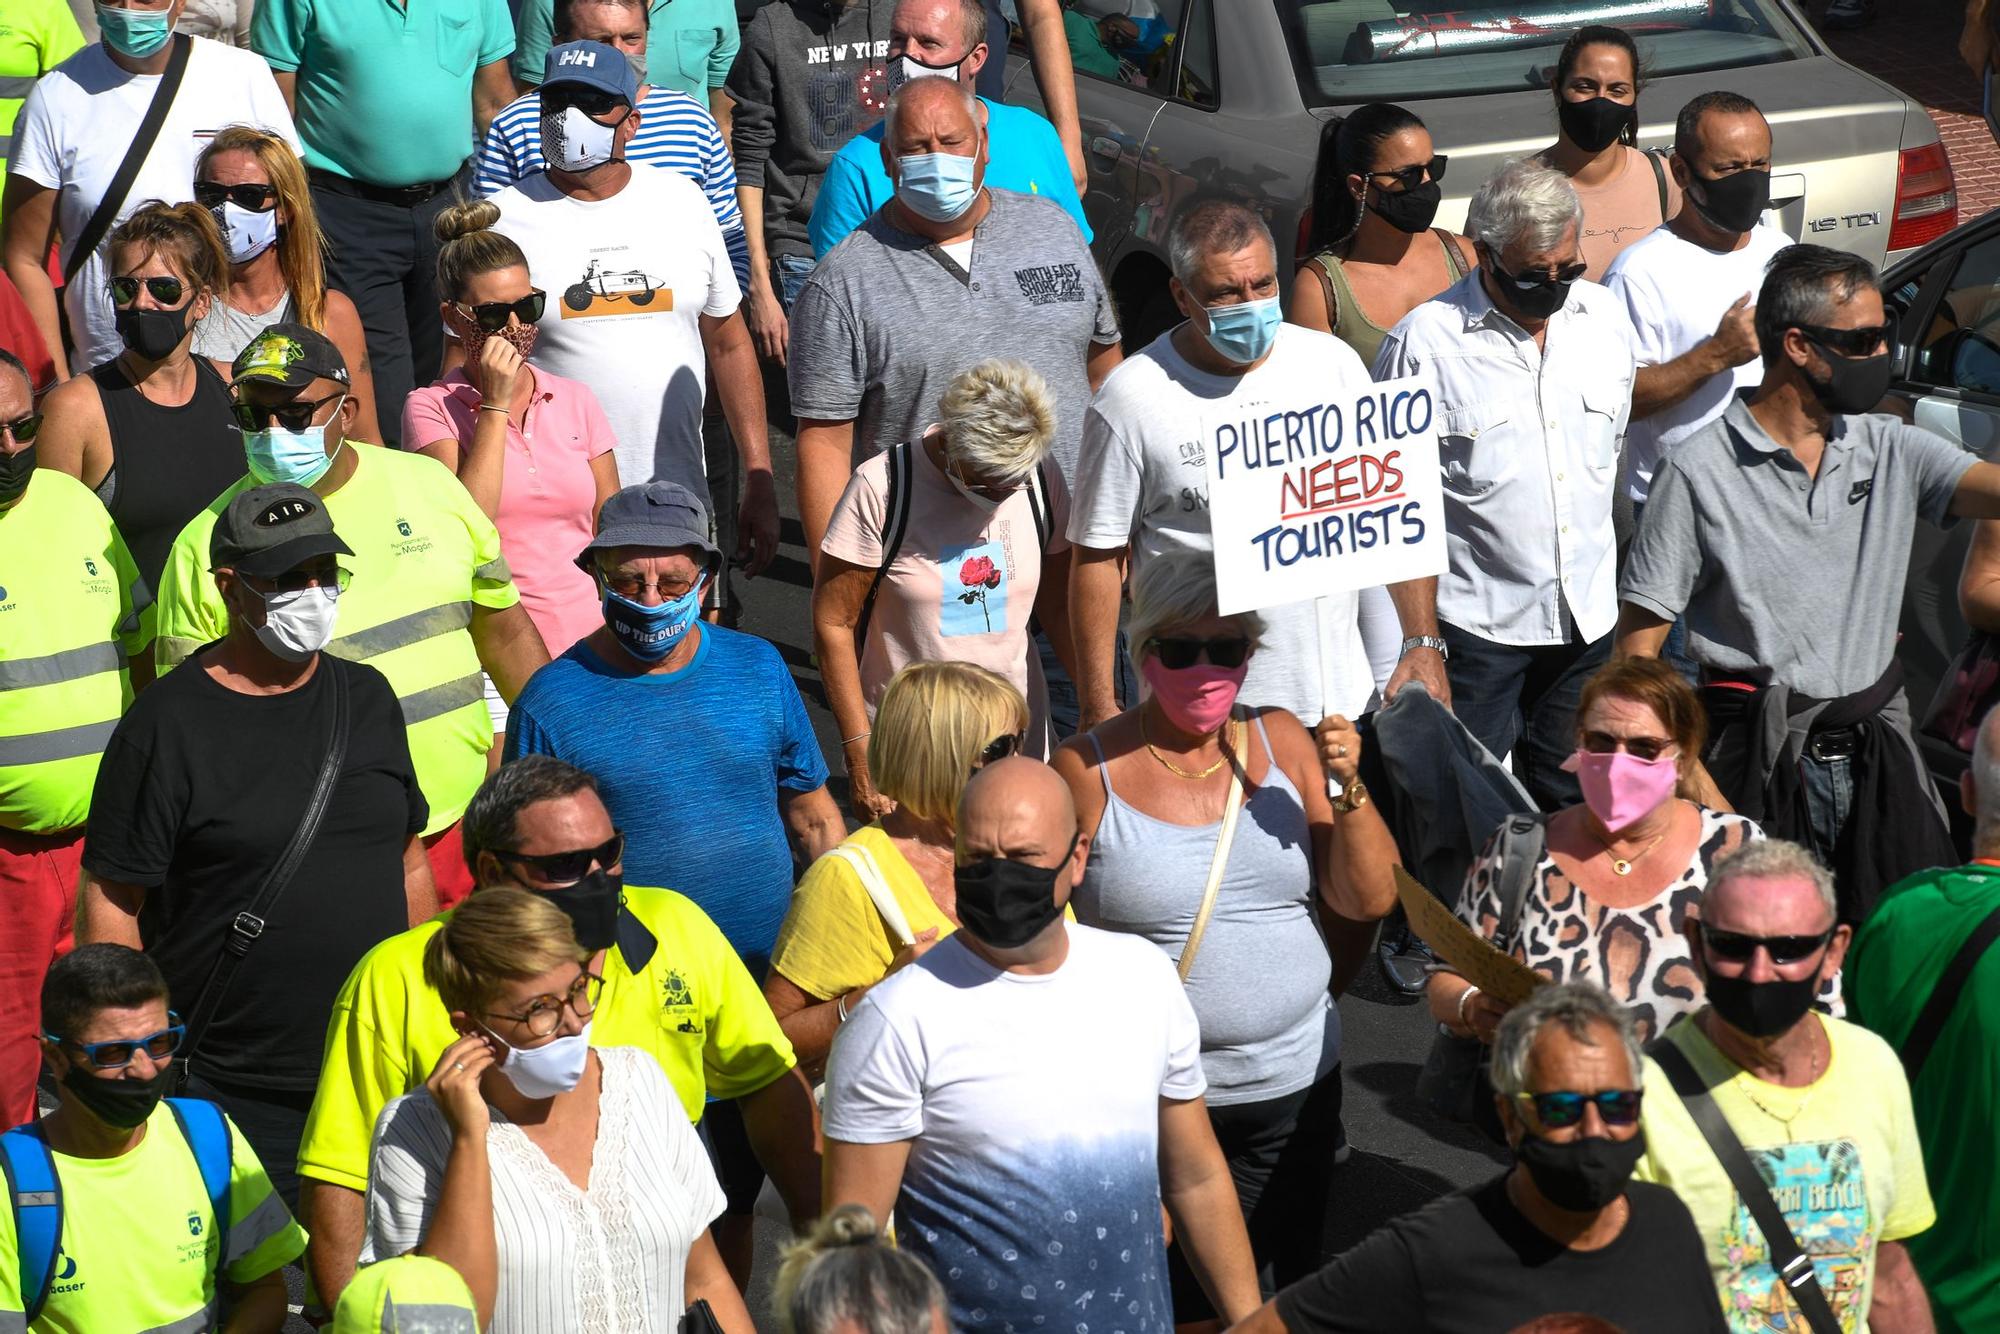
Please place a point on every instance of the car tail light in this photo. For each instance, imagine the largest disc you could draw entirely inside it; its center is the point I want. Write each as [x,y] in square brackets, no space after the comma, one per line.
[1926,199]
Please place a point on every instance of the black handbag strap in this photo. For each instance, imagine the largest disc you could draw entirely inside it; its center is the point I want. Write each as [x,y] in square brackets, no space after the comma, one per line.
[1523,840]
[106,212]
[1944,996]
[895,523]
[250,923]
[1793,1265]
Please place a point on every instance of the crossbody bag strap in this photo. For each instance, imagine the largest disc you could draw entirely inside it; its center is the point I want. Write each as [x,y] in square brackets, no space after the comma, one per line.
[1222,841]
[143,139]
[1794,1267]
[1523,840]
[869,873]
[1944,996]
[895,523]
[1659,178]
[250,923]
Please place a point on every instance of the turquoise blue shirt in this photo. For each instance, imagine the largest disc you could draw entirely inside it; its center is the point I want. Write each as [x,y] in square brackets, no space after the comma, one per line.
[1024,155]
[690,44]
[384,89]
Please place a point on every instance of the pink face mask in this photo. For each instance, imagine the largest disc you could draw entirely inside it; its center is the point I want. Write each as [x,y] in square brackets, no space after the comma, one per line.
[1620,788]
[1196,698]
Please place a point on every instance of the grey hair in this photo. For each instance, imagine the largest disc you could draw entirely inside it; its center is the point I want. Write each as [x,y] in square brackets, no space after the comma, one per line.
[1177,588]
[1772,859]
[1523,201]
[1579,1007]
[999,420]
[1802,285]
[1210,226]
[893,111]
[843,1272]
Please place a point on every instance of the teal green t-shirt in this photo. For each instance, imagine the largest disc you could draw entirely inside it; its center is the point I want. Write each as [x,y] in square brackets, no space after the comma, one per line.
[690,44]
[384,86]
[1894,965]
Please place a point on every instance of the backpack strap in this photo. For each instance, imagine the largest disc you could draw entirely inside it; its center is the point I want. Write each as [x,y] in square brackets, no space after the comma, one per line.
[1038,502]
[1944,996]
[206,1131]
[895,524]
[35,1195]
[1523,840]
[1652,157]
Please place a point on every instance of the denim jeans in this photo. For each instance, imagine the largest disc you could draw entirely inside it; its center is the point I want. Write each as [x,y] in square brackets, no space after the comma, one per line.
[1829,792]
[1523,699]
[1065,706]
[788,276]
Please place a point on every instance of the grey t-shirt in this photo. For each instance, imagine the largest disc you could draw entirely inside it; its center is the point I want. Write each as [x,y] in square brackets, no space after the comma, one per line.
[1781,576]
[888,320]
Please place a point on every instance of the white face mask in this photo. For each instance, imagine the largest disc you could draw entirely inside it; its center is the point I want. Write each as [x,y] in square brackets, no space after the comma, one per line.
[554,1067]
[248,234]
[299,624]
[574,142]
[907,67]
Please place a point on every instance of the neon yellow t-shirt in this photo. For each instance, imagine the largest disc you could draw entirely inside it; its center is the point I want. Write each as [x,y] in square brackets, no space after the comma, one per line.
[690,1002]
[35,37]
[425,556]
[139,1238]
[834,939]
[1846,1169]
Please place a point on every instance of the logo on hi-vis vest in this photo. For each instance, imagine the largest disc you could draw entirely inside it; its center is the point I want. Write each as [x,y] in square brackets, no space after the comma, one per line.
[65,1270]
[194,1224]
[403,527]
[90,565]
[412,545]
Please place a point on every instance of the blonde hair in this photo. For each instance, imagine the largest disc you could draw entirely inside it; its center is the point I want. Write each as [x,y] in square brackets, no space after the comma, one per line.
[184,234]
[498,935]
[845,1274]
[468,246]
[301,244]
[933,721]
[1175,589]
[998,420]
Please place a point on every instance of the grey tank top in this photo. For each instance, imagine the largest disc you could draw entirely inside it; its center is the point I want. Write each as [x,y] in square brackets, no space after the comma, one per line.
[1259,984]
[226,330]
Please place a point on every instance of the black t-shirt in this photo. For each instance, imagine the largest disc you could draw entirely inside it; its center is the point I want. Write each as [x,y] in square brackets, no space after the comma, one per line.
[199,792]
[1470,1263]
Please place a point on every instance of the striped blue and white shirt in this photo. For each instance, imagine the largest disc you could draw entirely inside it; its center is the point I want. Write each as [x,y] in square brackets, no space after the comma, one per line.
[675,132]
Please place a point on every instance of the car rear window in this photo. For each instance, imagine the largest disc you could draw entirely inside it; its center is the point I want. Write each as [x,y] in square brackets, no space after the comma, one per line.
[1379,51]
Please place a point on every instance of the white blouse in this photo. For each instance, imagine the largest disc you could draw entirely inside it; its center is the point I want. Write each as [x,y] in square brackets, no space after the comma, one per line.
[610,1260]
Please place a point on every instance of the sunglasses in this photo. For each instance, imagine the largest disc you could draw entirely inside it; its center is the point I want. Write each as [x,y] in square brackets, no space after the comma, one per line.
[1863,342]
[544,1013]
[1618,1107]
[1738,948]
[1177,655]
[294,581]
[293,416]
[1412,177]
[999,748]
[116,1055]
[24,429]
[1638,747]
[566,868]
[166,291]
[491,316]
[1527,282]
[592,102]
[256,198]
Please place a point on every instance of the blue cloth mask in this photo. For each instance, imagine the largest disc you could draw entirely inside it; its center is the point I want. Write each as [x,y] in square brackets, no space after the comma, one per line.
[938,187]
[650,633]
[278,455]
[137,33]
[1244,333]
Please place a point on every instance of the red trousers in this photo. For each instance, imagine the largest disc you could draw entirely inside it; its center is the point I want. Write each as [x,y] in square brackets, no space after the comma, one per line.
[38,874]
[448,868]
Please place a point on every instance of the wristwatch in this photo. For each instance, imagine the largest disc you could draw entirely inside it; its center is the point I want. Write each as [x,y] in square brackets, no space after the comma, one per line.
[1425,641]
[1352,797]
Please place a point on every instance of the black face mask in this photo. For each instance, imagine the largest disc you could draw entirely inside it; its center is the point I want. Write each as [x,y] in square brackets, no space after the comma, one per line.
[1540,299]
[1761,1009]
[1411,211]
[1007,904]
[1584,1175]
[153,334]
[119,1103]
[1853,384]
[15,470]
[1732,203]
[591,904]
[1594,123]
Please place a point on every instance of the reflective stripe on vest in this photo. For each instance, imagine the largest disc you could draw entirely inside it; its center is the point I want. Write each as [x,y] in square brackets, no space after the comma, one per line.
[71,664]
[17,85]
[399,1317]
[402,632]
[439,700]
[199,1323]
[264,1222]
[65,743]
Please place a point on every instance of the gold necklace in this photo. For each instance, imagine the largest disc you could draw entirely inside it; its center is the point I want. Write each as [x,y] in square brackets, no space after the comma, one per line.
[1623,865]
[1175,769]
[1805,1102]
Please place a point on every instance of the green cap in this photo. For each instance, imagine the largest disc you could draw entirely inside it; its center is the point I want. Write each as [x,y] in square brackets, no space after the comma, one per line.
[411,1294]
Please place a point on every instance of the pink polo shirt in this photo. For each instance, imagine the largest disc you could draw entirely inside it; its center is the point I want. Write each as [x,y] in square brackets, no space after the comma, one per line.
[547,492]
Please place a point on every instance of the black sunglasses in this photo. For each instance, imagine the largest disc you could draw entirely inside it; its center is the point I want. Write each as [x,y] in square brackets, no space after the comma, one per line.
[566,868]
[24,429]
[1863,342]
[491,316]
[1412,177]
[1527,282]
[999,748]
[1177,655]
[592,102]
[293,416]
[1738,948]
[1618,1107]
[166,291]
[256,198]
[1638,747]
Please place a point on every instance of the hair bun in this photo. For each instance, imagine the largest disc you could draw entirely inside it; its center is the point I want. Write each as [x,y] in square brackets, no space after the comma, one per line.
[465,219]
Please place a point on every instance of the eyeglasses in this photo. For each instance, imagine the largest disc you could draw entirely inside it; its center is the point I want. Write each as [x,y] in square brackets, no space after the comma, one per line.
[491,316]
[256,198]
[116,1055]
[544,1013]
[1638,747]
[632,585]
[1412,177]
[1177,655]
[566,868]
[1864,342]
[1739,948]
[1526,282]
[24,429]
[293,416]
[292,581]
[1618,1107]
[999,748]
[592,102]
[166,291]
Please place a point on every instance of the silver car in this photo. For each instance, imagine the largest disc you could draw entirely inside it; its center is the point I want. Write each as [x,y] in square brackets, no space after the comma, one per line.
[1181,97]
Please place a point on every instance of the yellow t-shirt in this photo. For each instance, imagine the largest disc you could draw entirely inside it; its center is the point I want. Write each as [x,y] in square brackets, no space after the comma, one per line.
[1846,1168]
[139,1238]
[834,939]
[688,1000]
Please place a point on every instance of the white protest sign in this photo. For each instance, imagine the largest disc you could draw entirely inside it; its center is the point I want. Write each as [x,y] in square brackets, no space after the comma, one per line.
[1329,493]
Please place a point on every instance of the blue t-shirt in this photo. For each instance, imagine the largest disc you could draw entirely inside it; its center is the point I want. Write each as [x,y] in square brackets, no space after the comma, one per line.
[1024,155]
[691,765]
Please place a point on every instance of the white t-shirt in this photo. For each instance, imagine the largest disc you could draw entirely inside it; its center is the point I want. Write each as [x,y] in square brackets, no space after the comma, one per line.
[1033,1184]
[72,135]
[1676,293]
[629,279]
[1142,480]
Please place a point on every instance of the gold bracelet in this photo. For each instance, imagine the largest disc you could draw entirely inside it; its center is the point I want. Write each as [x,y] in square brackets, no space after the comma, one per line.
[493,407]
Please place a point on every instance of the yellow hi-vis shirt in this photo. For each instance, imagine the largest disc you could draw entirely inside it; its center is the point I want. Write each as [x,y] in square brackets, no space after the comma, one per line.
[673,986]
[139,1239]
[72,610]
[35,37]
[424,556]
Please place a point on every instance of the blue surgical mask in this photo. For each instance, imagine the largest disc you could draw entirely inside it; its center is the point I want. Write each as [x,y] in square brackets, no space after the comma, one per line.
[938,187]
[278,455]
[650,633]
[137,33]
[1244,333]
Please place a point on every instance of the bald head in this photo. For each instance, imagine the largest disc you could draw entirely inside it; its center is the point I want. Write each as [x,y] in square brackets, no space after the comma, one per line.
[1981,787]
[933,110]
[1019,810]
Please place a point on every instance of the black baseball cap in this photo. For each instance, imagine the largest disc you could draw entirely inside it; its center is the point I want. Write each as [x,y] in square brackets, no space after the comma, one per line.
[290,355]
[269,530]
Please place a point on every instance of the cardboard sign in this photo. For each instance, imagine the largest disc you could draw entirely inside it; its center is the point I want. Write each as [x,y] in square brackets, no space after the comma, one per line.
[1500,976]
[1336,492]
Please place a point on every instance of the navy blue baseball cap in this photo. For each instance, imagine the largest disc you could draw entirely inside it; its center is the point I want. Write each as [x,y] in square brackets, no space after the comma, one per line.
[591,65]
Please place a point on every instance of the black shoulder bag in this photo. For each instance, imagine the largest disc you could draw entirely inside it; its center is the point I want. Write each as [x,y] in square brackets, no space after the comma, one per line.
[143,138]
[250,923]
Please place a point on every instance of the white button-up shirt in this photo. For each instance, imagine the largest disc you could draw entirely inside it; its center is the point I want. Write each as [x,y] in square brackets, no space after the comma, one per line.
[1528,438]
